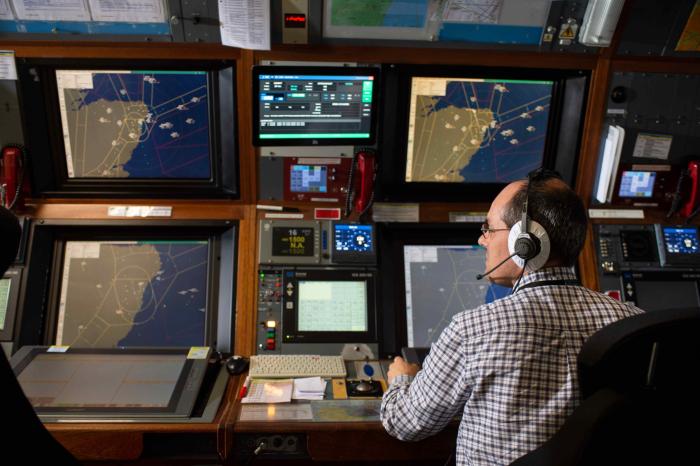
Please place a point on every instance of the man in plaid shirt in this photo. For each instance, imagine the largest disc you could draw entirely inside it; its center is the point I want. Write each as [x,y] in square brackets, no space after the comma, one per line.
[508,367]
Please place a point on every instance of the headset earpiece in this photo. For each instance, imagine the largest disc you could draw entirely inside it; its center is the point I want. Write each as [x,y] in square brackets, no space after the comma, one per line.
[532,247]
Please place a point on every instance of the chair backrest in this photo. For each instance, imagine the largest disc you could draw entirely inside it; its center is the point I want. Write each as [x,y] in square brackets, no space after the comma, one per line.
[23,426]
[655,352]
[638,379]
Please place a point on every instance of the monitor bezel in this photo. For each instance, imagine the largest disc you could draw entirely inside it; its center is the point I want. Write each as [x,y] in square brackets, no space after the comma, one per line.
[565,127]
[315,70]
[185,390]
[39,310]
[290,332]
[14,274]
[44,134]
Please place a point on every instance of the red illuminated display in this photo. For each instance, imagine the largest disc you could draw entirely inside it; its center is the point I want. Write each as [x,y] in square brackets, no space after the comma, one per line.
[294,20]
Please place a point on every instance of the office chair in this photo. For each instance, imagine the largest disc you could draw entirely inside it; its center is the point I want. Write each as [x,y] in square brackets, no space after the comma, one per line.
[23,427]
[639,385]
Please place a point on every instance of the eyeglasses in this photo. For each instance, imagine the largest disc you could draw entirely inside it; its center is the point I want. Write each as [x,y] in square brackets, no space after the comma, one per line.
[486,231]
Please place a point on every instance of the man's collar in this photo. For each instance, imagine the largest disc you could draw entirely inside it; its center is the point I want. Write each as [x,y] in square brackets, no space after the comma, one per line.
[547,274]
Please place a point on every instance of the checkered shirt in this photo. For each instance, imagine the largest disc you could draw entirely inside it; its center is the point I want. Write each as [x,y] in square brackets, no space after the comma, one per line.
[508,367]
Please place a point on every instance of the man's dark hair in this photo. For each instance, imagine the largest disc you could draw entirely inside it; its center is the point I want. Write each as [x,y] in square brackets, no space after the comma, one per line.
[556,207]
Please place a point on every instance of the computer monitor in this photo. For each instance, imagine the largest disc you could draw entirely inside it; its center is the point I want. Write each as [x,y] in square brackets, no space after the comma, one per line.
[428,274]
[464,132]
[440,282]
[81,383]
[128,128]
[134,285]
[328,306]
[296,106]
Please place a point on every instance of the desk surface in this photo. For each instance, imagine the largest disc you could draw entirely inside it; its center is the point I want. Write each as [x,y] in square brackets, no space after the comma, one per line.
[333,430]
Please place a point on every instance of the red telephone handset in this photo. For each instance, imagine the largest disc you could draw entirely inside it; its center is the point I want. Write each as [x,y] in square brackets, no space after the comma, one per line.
[360,190]
[13,183]
[691,203]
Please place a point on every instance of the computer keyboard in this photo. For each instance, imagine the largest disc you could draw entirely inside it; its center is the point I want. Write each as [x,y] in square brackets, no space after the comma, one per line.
[296,365]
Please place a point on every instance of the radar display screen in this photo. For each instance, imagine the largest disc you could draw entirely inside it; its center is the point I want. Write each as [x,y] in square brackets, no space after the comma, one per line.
[682,241]
[440,281]
[637,184]
[292,242]
[332,306]
[308,179]
[133,293]
[464,130]
[135,123]
[304,106]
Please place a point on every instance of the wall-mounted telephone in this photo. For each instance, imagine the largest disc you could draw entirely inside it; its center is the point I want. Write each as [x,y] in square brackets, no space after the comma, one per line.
[692,173]
[360,189]
[14,185]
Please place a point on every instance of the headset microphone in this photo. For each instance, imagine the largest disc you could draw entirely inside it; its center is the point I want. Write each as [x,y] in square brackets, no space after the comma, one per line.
[482,275]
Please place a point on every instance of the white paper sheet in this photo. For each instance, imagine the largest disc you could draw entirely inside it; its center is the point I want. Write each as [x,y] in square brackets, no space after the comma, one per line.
[269,391]
[6,11]
[8,70]
[130,11]
[309,388]
[245,24]
[52,10]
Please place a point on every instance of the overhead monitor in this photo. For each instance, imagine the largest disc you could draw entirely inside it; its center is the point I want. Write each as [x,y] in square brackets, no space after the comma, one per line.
[440,282]
[460,132]
[314,105]
[328,306]
[476,130]
[133,127]
[104,384]
[131,285]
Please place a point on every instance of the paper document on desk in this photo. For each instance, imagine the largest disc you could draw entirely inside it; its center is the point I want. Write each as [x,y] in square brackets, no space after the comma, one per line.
[269,391]
[309,388]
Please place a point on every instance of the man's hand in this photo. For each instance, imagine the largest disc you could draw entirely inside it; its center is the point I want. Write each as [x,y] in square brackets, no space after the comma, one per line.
[401,367]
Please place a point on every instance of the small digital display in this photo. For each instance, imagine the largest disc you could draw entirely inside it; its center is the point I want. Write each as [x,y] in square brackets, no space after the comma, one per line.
[292,241]
[332,306]
[353,238]
[683,241]
[637,184]
[5,284]
[308,179]
[295,20]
